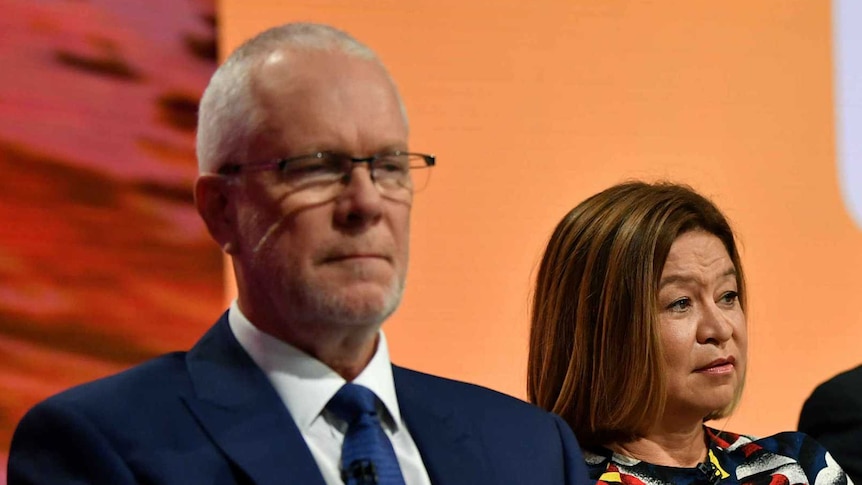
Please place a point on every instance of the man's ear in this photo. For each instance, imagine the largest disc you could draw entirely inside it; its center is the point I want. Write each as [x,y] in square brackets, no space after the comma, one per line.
[214,204]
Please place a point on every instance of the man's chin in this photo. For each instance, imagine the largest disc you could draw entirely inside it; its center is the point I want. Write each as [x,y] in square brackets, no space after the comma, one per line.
[358,305]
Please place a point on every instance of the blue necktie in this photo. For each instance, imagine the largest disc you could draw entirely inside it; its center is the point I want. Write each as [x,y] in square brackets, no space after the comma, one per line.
[367,457]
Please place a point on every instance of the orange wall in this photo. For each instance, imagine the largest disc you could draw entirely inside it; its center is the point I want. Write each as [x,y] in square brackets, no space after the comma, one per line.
[533,106]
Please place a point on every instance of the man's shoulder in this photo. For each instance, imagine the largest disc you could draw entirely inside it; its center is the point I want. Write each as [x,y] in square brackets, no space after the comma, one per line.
[516,438]
[852,376]
[833,409]
[145,384]
[432,383]
[468,396]
[847,383]
[141,385]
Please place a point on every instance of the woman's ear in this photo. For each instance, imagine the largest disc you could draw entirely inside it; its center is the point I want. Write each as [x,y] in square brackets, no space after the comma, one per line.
[216,207]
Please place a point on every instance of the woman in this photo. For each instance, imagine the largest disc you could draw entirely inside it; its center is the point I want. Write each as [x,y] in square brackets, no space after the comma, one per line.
[639,337]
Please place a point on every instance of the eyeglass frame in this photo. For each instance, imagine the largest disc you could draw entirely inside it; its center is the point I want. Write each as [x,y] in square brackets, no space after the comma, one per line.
[278,165]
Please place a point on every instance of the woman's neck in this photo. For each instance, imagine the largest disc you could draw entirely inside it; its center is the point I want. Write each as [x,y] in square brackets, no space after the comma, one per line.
[679,448]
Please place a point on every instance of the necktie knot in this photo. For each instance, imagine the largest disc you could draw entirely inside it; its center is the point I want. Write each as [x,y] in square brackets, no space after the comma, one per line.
[353,403]
[367,456]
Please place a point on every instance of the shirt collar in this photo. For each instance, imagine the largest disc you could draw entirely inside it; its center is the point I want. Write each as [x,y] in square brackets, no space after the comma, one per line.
[306,384]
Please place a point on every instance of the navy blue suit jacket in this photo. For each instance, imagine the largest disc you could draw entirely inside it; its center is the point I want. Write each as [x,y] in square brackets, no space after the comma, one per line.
[832,415]
[210,416]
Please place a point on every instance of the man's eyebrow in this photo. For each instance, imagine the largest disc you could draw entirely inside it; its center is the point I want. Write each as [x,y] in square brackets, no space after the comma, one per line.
[679,278]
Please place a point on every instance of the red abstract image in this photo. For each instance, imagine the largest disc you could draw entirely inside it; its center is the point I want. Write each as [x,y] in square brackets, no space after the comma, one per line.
[103,259]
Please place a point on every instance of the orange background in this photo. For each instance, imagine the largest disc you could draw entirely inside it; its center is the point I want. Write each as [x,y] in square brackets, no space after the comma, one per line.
[533,106]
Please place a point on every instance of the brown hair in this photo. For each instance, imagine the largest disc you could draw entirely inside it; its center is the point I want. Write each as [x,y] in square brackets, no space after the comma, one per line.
[595,352]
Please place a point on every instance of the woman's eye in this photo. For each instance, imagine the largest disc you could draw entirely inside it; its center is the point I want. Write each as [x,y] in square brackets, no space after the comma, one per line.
[680,305]
[730,297]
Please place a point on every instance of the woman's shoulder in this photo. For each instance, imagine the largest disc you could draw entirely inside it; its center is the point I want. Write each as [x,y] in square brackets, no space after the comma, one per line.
[733,458]
[789,453]
[787,443]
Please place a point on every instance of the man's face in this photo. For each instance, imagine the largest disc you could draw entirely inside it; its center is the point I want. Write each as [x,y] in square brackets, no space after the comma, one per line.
[303,263]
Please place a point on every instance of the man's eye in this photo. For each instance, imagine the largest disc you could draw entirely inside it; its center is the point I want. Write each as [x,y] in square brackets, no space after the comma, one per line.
[311,166]
[392,163]
[393,167]
[302,168]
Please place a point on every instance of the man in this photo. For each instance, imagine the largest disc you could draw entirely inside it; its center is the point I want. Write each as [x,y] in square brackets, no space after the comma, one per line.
[306,181]
[832,415]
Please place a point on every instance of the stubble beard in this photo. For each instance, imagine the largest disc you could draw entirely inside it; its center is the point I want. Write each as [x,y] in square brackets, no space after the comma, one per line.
[320,303]
[324,304]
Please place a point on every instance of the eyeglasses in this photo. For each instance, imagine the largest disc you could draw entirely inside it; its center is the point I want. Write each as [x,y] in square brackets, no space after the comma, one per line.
[396,174]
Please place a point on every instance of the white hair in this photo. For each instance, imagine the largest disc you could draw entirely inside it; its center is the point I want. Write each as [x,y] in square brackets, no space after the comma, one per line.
[228,116]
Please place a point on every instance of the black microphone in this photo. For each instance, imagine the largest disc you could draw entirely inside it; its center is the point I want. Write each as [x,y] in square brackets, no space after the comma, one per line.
[363,472]
[710,472]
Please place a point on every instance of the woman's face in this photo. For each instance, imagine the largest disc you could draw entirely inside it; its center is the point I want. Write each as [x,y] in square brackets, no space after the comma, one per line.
[702,327]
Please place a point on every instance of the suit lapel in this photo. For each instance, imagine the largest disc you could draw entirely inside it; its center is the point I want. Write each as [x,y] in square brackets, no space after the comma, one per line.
[241,412]
[451,453]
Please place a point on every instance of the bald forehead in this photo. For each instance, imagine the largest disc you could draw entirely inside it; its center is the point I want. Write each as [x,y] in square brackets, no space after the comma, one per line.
[288,77]
[324,100]
[232,111]
[299,67]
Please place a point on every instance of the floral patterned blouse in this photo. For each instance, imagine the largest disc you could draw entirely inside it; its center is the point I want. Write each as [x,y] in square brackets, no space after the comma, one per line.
[783,459]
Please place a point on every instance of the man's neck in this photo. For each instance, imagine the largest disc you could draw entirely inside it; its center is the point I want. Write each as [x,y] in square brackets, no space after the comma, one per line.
[345,349]
[346,356]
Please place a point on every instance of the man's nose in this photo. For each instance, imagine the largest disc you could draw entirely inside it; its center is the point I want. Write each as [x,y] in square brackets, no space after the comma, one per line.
[360,198]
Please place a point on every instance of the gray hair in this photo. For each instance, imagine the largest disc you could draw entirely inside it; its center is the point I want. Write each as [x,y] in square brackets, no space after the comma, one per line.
[228,116]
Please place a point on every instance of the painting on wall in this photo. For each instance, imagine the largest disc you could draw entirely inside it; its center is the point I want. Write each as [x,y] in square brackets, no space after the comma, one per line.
[104,261]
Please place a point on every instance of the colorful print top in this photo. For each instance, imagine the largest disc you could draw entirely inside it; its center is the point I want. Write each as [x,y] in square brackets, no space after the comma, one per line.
[783,459]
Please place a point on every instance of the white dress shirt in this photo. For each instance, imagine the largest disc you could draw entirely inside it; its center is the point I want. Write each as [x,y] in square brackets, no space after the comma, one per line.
[306,385]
